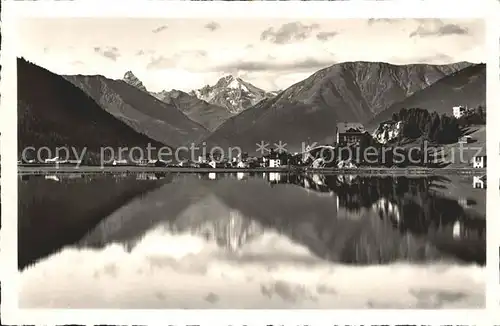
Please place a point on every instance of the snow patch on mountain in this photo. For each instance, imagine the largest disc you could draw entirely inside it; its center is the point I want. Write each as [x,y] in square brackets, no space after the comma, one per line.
[230,92]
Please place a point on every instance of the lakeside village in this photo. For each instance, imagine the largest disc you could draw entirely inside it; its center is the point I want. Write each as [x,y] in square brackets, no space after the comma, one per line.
[407,128]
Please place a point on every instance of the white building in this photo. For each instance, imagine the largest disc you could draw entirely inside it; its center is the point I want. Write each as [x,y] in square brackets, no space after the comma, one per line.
[479,161]
[274,163]
[212,164]
[459,111]
[263,162]
[479,182]
[142,162]
[465,139]
[242,165]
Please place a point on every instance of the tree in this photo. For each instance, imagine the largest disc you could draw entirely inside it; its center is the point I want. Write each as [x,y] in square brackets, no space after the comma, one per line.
[434,126]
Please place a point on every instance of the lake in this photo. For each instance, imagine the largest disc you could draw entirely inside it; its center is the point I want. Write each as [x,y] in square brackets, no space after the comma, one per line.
[251,240]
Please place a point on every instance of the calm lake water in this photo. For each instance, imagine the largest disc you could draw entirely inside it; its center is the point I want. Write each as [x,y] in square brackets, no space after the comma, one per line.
[262,240]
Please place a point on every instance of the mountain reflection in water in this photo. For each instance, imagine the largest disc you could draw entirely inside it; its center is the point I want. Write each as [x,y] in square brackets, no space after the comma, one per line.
[268,224]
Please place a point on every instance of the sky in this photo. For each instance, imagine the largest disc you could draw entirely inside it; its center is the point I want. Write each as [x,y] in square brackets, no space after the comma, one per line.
[272,54]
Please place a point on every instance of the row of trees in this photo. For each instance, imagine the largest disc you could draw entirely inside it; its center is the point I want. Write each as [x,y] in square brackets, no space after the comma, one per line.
[437,128]
[419,123]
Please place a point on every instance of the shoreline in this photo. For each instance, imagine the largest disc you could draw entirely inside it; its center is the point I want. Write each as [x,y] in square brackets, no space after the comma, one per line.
[354,171]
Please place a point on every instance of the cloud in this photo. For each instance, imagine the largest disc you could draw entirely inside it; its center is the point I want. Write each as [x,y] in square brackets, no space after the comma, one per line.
[288,33]
[325,36]
[436,298]
[141,52]
[439,29]
[428,27]
[212,26]
[372,21]
[162,62]
[267,66]
[286,291]
[159,29]
[111,53]
[439,58]
[212,297]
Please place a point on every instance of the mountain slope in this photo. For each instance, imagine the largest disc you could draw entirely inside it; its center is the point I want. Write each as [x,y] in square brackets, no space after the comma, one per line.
[53,112]
[232,93]
[208,115]
[465,87]
[309,110]
[141,111]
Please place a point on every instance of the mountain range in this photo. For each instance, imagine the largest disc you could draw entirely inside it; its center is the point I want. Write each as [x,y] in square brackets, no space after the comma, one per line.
[53,112]
[211,116]
[463,87]
[308,111]
[234,112]
[232,93]
[141,111]
[210,106]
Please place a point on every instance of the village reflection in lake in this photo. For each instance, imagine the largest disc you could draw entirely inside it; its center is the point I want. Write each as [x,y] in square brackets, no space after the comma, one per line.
[251,240]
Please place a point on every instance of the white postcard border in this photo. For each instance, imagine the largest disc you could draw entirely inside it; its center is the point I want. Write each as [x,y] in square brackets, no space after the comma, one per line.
[11,314]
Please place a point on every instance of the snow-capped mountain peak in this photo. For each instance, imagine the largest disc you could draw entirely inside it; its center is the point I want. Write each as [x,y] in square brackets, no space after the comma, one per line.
[131,79]
[230,81]
[232,93]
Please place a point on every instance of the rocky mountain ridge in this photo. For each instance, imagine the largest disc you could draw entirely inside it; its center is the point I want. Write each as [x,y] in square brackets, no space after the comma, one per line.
[140,110]
[308,111]
[57,113]
[210,105]
[232,93]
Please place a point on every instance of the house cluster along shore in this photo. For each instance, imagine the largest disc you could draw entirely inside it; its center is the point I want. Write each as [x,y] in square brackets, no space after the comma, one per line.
[392,149]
